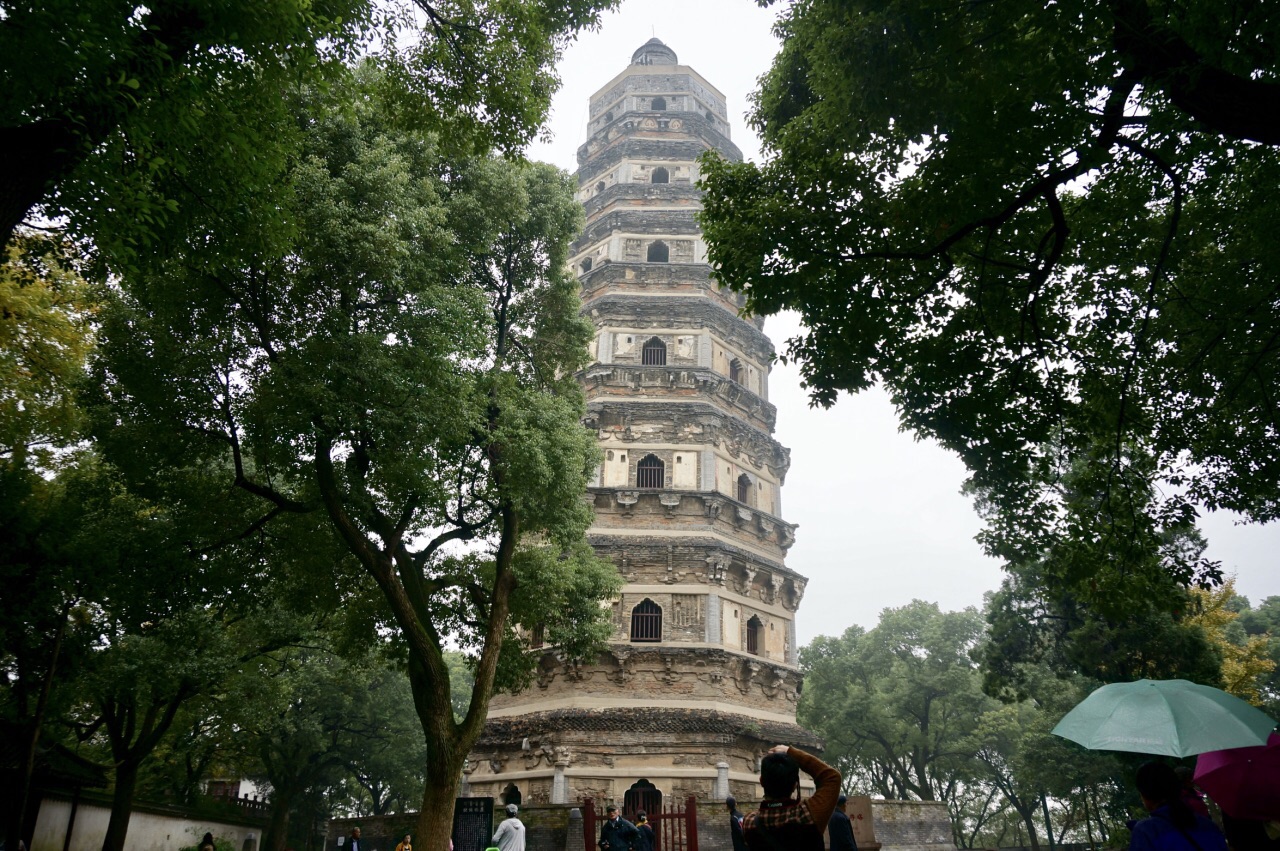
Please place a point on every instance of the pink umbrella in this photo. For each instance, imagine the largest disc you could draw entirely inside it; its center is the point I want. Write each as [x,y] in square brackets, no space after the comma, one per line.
[1244,781]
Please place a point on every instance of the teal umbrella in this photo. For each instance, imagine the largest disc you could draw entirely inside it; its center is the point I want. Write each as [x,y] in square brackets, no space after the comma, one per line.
[1170,717]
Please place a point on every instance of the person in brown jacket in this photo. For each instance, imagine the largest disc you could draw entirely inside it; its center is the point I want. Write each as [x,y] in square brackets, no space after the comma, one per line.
[785,821]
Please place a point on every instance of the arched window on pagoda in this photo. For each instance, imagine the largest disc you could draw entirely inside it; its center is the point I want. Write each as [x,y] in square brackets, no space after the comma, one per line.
[658,104]
[660,175]
[744,488]
[650,472]
[754,627]
[646,621]
[659,252]
[654,353]
[586,265]
[736,372]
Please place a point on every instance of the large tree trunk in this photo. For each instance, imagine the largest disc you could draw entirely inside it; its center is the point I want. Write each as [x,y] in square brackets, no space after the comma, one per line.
[277,835]
[40,154]
[121,806]
[19,828]
[435,819]
[1027,814]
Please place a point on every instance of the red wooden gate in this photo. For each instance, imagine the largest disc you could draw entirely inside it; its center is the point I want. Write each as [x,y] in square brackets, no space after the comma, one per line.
[675,828]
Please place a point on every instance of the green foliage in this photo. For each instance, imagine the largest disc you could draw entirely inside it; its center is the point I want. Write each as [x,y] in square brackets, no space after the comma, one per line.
[381,350]
[903,713]
[310,722]
[1263,622]
[45,338]
[117,115]
[1036,224]
[895,703]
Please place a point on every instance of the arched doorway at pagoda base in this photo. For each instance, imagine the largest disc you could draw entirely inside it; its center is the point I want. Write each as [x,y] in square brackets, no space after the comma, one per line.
[675,827]
[642,796]
[511,795]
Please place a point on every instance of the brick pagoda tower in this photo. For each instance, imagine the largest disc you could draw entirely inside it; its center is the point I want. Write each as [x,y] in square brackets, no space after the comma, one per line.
[700,676]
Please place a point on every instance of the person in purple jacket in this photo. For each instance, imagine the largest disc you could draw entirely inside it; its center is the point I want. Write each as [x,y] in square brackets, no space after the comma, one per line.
[1172,825]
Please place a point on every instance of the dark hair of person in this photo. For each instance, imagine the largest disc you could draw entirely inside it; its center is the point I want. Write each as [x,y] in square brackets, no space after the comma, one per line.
[1159,784]
[208,839]
[779,774]
[640,816]
[731,802]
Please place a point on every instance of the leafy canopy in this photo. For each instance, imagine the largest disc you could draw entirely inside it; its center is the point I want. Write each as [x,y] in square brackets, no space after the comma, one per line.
[110,108]
[384,346]
[1048,229]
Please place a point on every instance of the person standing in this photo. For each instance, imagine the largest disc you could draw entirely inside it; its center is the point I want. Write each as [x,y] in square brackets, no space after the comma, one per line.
[785,821]
[354,843]
[840,829]
[616,834]
[735,824]
[1172,825]
[645,840]
[406,844]
[510,835]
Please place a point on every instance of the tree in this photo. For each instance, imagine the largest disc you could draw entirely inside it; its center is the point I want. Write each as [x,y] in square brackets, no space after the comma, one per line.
[307,719]
[387,766]
[116,621]
[1047,228]
[896,703]
[1264,622]
[386,344]
[109,107]
[902,711]
[1153,637]
[45,338]
[1245,661]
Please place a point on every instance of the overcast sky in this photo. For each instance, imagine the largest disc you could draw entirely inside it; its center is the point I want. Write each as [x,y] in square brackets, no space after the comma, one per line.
[882,521]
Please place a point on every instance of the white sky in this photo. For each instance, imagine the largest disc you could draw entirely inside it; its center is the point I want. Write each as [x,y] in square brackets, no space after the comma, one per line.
[882,521]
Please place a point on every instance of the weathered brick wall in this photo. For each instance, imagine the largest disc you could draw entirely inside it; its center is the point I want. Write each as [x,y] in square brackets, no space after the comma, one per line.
[546,828]
[912,825]
[896,825]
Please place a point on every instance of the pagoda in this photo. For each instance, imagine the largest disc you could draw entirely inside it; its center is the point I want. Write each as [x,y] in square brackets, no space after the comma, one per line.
[700,676]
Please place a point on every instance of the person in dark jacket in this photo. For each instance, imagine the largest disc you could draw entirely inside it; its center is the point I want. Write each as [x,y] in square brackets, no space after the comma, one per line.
[1172,825]
[785,821]
[646,840]
[735,824]
[840,829]
[617,834]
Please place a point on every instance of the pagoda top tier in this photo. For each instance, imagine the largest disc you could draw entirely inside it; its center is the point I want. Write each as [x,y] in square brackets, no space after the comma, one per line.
[654,52]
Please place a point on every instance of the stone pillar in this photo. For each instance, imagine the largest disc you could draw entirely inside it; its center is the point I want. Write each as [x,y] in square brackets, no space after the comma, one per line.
[560,783]
[704,350]
[604,348]
[573,840]
[464,791]
[720,790]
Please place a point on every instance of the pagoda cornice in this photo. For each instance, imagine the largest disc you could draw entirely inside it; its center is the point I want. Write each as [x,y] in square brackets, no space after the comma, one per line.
[638,220]
[630,137]
[609,278]
[640,310]
[639,382]
[688,423]
[702,560]
[643,196]
[757,531]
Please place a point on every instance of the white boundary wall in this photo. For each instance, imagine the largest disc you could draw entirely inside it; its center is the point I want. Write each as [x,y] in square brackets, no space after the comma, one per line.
[147,831]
